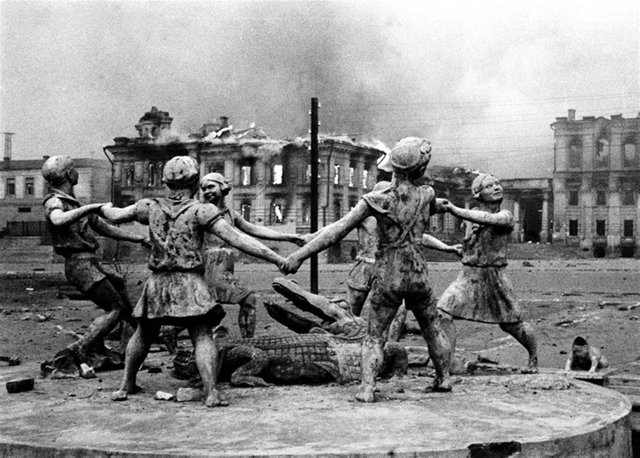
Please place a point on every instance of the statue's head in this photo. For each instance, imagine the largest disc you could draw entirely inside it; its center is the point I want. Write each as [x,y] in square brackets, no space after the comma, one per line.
[410,156]
[487,188]
[213,186]
[58,169]
[180,172]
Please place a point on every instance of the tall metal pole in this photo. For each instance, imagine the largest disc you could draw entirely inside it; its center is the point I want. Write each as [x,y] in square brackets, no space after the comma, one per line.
[313,280]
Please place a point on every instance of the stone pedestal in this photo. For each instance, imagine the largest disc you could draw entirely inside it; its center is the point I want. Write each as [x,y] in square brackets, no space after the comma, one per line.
[527,415]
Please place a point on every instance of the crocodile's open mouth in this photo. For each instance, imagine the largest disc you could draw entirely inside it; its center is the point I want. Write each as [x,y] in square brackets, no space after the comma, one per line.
[301,298]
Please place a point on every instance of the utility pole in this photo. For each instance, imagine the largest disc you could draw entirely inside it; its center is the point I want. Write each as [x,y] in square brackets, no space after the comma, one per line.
[313,280]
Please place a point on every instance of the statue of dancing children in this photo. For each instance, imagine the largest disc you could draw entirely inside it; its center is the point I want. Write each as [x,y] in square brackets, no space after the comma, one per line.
[482,292]
[176,293]
[400,271]
[361,277]
[224,285]
[69,224]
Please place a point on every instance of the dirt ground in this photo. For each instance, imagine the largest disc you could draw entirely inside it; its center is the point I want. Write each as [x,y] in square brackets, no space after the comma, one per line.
[40,314]
[596,299]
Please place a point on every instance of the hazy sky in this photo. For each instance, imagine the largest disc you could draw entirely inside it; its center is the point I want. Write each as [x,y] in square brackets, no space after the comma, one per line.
[482,79]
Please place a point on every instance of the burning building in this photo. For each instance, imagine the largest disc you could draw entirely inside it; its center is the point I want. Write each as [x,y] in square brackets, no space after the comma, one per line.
[271,178]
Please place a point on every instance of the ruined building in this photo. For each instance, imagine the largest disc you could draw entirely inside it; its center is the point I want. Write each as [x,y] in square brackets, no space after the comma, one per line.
[596,182]
[530,200]
[271,178]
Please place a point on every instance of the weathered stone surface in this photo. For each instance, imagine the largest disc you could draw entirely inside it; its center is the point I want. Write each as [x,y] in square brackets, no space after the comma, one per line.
[482,413]
[189,395]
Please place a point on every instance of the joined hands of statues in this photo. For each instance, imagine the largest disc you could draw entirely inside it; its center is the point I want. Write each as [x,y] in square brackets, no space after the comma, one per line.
[300,240]
[286,267]
[457,249]
[105,209]
[307,238]
[289,265]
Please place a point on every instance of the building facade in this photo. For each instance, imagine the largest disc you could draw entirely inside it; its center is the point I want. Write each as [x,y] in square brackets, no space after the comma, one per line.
[23,188]
[596,181]
[271,178]
[530,200]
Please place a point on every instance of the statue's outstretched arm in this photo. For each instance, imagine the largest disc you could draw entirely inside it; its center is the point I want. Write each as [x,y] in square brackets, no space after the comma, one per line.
[332,233]
[109,230]
[434,243]
[264,233]
[502,218]
[59,217]
[244,242]
[120,215]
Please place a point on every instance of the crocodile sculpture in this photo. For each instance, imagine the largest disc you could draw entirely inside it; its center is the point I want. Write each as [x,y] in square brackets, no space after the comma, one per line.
[290,359]
[324,352]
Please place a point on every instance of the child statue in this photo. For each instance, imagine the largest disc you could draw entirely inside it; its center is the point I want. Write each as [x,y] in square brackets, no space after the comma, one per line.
[482,292]
[402,213]
[176,293]
[69,223]
[360,277]
[224,285]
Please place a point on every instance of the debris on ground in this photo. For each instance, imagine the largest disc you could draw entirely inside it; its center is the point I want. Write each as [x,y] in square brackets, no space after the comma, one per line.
[189,394]
[10,360]
[164,396]
[87,371]
[20,384]
[625,308]
[484,360]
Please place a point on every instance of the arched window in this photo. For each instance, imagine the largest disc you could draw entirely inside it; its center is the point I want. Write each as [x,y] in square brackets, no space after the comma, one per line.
[629,155]
[365,179]
[245,211]
[337,210]
[306,212]
[128,180]
[276,172]
[575,153]
[216,167]
[159,170]
[602,153]
[151,175]
[277,213]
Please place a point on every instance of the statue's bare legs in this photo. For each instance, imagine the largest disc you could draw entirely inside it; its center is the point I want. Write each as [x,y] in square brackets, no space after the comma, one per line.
[137,351]
[373,349]
[396,329]
[523,333]
[439,342]
[206,356]
[116,303]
